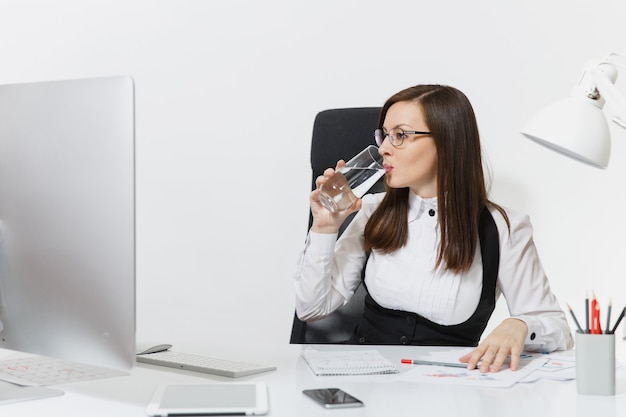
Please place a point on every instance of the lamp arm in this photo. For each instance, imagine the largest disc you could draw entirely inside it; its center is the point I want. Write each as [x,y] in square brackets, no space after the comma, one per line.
[607,89]
[611,59]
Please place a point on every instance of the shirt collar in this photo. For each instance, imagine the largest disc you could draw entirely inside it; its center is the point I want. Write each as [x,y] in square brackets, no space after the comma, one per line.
[419,206]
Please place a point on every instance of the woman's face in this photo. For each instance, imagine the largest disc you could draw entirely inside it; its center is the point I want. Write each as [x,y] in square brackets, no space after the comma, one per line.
[414,163]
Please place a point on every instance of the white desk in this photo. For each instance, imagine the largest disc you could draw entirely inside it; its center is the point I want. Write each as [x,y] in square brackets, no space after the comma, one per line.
[383,395]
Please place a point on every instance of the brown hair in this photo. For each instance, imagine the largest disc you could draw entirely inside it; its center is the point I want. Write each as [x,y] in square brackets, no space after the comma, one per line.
[461,188]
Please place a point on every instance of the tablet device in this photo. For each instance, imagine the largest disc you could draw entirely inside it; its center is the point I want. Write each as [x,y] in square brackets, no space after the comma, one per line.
[233,398]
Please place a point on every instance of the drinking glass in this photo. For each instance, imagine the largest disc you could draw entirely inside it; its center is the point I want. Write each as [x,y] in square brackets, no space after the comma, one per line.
[352,181]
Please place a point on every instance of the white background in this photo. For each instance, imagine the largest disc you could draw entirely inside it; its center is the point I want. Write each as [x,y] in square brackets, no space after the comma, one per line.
[226,94]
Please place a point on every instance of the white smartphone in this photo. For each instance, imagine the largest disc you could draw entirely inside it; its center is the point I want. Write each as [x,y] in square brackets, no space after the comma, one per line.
[333,398]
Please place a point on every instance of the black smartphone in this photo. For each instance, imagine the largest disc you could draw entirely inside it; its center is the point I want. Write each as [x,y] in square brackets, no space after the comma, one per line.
[333,398]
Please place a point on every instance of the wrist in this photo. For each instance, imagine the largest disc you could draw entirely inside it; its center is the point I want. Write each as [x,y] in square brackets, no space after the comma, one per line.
[327,230]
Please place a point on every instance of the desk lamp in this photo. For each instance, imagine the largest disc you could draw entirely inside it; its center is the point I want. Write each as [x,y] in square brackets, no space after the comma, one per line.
[577,126]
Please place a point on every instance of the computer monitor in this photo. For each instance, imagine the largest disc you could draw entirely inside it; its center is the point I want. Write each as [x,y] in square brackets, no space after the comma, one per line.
[67,220]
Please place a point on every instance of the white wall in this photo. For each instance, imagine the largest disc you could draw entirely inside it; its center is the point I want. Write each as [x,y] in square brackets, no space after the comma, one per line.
[226,93]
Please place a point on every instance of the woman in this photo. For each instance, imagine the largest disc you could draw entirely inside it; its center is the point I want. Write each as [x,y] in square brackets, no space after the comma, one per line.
[437,253]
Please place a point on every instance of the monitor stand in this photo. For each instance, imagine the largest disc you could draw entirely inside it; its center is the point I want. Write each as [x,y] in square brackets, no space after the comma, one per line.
[11,393]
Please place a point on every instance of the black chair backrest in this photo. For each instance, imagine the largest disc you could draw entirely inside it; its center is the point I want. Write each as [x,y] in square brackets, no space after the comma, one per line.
[338,134]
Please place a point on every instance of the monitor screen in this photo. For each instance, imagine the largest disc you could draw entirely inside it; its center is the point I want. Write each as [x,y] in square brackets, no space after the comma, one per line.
[67,220]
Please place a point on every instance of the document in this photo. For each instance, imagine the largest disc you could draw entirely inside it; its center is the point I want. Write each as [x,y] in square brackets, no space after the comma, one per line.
[443,368]
[554,369]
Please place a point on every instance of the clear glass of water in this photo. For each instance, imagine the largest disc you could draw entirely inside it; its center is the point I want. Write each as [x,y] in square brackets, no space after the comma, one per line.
[351,182]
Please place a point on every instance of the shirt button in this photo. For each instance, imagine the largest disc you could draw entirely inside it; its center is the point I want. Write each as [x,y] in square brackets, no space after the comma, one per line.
[431,213]
[532,336]
[404,340]
[361,340]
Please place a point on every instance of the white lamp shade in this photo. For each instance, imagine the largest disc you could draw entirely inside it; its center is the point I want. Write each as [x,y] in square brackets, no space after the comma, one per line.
[575,127]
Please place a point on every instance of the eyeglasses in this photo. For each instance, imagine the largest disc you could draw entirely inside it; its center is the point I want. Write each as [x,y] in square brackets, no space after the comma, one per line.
[396,136]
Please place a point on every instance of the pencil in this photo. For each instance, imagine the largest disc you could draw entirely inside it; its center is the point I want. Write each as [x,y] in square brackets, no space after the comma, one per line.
[595,318]
[575,320]
[621,316]
[608,317]
[434,363]
[587,313]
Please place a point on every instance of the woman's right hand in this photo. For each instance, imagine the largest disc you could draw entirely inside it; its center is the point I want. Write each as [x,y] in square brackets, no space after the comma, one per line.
[323,220]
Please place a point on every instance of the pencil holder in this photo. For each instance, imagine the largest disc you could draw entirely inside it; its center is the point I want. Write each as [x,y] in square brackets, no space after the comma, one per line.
[595,364]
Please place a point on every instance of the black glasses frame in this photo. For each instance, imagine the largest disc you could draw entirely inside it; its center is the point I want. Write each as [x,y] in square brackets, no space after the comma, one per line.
[379,136]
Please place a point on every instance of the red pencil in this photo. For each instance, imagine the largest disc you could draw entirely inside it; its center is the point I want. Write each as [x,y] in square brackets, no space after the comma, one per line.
[596,328]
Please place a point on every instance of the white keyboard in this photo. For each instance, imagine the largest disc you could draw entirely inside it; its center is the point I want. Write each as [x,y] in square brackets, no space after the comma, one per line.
[43,370]
[204,364]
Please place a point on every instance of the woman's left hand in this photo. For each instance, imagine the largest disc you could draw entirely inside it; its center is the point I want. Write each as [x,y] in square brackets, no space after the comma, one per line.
[506,339]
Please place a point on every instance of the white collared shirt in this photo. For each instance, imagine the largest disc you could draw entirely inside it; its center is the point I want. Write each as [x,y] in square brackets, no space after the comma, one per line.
[329,271]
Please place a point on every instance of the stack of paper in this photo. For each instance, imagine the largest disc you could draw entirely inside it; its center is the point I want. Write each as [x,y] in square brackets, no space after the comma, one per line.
[442,367]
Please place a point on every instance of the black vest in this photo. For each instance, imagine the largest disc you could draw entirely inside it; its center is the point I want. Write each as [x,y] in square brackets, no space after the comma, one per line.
[381,325]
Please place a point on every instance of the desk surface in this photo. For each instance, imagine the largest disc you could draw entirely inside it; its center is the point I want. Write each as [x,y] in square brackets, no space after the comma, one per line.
[383,395]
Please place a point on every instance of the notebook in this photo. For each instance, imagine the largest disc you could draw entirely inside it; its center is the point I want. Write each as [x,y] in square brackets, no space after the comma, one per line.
[358,362]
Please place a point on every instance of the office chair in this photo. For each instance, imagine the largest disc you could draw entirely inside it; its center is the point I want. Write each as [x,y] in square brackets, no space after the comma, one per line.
[338,134]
